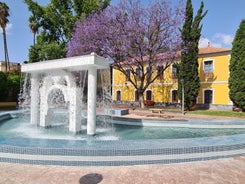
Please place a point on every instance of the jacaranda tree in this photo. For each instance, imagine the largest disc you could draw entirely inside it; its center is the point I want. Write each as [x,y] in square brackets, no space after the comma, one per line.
[137,38]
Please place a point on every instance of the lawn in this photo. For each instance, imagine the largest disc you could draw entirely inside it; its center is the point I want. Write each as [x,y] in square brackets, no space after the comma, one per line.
[219,113]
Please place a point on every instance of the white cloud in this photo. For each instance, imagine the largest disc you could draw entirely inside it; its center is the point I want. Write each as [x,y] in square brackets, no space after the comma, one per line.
[8,27]
[218,40]
[203,42]
[225,39]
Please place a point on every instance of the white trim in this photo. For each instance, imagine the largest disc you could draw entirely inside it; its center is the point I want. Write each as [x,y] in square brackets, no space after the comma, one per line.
[163,83]
[215,82]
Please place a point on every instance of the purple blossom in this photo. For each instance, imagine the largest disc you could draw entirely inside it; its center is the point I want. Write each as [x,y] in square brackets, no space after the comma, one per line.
[133,36]
[129,30]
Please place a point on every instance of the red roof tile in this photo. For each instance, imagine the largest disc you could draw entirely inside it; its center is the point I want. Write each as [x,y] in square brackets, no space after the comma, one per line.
[210,50]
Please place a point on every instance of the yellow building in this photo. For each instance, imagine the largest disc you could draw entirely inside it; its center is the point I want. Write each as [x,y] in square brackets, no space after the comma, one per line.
[213,73]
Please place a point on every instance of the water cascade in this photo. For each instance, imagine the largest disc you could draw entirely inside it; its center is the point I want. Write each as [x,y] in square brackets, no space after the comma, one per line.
[58,78]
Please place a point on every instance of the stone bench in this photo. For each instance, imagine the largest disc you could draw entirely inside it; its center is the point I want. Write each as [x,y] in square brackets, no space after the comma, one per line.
[159,111]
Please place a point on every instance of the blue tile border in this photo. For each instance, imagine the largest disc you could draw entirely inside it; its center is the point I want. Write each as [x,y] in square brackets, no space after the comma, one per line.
[114,157]
[113,163]
[113,152]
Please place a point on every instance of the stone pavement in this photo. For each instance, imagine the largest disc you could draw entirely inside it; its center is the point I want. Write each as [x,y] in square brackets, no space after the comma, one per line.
[221,171]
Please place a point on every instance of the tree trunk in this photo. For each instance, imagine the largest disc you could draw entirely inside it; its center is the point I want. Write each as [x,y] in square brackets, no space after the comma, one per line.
[6,50]
[141,100]
[34,39]
[193,105]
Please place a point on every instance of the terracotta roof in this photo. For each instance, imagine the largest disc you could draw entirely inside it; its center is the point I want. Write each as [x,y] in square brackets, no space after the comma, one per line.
[209,50]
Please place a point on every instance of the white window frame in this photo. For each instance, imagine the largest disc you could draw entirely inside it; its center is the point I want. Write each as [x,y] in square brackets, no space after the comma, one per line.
[203,64]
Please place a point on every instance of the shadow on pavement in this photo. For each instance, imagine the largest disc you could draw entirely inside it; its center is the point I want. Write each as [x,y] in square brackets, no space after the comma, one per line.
[92,178]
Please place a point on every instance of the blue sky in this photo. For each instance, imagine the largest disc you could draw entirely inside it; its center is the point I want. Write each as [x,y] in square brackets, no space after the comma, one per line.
[219,25]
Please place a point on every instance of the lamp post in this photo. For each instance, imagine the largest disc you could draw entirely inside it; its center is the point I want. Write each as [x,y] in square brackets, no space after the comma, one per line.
[183,97]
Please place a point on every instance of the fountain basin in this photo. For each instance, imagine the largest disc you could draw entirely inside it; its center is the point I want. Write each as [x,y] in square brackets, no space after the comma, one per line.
[91,152]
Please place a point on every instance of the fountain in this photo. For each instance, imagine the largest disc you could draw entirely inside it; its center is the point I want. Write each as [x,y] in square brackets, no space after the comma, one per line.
[129,141]
[58,74]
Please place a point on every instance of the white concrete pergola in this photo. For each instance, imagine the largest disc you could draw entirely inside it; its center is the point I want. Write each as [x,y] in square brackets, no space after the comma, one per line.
[59,76]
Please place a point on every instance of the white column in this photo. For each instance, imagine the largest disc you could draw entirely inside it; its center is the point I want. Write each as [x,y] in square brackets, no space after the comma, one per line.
[34,99]
[75,110]
[43,106]
[92,86]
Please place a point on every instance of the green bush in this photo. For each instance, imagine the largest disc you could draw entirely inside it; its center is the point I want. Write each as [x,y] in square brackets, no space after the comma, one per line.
[3,86]
[10,86]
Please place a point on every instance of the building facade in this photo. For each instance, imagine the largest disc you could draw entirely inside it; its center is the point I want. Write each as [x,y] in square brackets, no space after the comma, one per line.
[213,73]
[13,66]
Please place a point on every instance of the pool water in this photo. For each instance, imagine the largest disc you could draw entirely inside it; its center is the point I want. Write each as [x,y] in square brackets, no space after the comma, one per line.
[21,128]
[131,132]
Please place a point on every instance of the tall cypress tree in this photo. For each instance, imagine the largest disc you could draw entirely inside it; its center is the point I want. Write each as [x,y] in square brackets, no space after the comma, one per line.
[188,67]
[237,68]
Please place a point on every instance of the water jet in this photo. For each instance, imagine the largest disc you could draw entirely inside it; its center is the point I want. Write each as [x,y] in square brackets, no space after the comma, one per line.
[58,74]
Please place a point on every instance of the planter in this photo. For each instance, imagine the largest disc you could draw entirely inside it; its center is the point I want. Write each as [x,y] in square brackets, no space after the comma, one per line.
[149,103]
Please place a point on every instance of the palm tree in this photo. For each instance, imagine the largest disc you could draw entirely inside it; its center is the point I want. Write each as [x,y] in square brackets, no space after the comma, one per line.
[34,29]
[4,14]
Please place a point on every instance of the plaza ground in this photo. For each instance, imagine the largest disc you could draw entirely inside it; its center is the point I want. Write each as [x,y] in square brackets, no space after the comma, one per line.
[220,171]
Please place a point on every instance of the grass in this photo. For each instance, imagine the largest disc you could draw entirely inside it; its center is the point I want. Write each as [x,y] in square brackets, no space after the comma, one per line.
[210,112]
[219,113]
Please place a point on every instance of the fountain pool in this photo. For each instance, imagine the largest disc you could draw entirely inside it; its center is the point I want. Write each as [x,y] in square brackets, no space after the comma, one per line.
[124,141]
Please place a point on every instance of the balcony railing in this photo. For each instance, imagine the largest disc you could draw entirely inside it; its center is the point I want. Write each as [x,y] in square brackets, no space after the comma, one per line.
[209,75]
[174,76]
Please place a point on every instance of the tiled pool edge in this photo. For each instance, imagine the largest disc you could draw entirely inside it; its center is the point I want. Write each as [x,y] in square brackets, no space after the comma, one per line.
[115,153]
[116,160]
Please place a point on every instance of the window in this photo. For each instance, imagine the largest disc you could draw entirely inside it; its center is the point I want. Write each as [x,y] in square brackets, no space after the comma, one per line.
[174,72]
[138,73]
[119,96]
[208,69]
[208,96]
[127,74]
[174,96]
[148,95]
[149,99]
[149,73]
[160,72]
[208,66]
[136,96]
